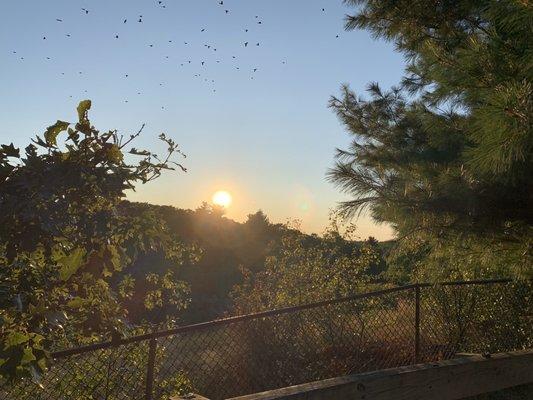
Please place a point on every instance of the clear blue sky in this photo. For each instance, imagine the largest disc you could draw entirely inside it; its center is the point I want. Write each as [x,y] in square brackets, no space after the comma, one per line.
[268,140]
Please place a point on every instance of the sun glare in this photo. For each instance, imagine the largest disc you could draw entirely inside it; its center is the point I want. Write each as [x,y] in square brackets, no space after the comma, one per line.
[222,198]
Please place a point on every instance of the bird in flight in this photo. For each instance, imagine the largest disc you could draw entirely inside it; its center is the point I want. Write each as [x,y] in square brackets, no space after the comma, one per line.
[206,65]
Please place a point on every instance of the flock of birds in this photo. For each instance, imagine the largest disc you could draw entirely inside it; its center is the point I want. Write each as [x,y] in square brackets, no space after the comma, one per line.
[201,73]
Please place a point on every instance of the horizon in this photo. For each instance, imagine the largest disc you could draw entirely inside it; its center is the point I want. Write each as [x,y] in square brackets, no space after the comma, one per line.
[268,141]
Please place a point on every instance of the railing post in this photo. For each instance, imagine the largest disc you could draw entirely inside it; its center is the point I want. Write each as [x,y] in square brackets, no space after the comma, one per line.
[417,323]
[152,347]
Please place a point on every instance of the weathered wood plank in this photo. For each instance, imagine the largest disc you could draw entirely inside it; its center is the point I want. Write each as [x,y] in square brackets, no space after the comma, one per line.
[444,380]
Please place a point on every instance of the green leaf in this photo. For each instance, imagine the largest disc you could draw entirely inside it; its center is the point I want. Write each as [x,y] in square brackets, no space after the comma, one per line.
[83,108]
[71,263]
[16,338]
[114,154]
[53,130]
[42,363]
[27,356]
[76,302]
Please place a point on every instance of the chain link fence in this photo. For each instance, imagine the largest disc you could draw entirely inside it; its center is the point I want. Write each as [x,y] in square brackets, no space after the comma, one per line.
[272,349]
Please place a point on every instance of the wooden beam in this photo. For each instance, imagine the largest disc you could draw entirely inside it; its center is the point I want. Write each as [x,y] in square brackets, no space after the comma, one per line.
[444,380]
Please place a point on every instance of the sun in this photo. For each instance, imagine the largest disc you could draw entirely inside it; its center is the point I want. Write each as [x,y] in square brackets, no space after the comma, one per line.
[222,198]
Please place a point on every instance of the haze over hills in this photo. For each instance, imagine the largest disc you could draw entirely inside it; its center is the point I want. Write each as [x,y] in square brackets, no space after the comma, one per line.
[227,249]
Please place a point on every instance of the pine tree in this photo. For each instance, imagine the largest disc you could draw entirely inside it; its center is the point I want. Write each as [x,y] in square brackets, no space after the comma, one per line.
[446,156]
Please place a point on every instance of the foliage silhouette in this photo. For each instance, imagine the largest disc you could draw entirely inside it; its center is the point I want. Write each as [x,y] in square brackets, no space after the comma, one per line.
[64,238]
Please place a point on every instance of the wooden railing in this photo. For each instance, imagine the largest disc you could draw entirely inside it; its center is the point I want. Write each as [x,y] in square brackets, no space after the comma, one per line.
[444,380]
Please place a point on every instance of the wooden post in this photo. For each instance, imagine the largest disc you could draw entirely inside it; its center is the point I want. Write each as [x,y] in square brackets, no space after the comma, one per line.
[152,347]
[417,324]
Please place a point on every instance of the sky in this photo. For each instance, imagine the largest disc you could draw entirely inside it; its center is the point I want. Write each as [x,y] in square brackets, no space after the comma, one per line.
[267,137]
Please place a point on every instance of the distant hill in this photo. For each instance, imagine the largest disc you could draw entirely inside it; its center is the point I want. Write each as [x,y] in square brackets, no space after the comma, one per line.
[226,247]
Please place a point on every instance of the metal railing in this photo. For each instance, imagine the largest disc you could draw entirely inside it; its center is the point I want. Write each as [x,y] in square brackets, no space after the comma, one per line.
[266,350]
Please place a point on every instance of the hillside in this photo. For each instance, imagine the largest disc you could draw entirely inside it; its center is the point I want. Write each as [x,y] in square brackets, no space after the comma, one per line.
[227,248]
